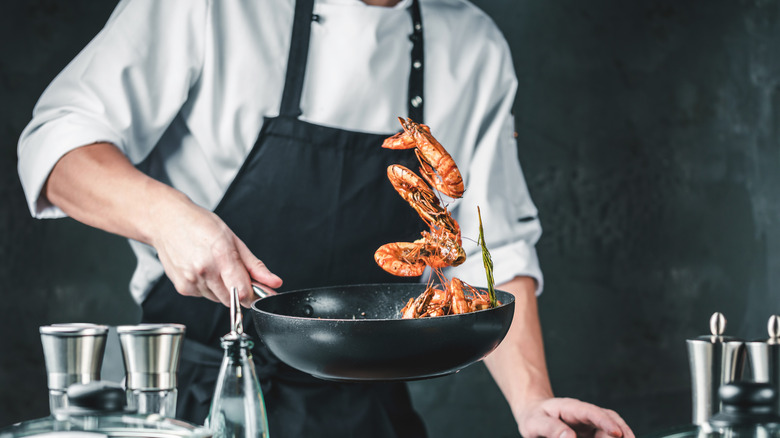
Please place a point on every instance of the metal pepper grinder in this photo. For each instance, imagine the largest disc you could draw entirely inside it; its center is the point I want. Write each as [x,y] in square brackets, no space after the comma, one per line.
[764,356]
[151,358]
[73,353]
[714,360]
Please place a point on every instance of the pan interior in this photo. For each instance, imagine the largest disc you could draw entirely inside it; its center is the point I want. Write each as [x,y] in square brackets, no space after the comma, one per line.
[345,303]
[354,302]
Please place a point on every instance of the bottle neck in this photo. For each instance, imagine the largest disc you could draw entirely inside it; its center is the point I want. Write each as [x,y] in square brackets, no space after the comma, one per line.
[237,346]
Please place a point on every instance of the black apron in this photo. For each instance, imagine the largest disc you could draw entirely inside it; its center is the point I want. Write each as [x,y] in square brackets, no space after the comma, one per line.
[313,203]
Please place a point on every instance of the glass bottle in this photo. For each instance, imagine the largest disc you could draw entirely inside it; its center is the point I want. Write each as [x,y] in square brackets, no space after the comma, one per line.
[237,409]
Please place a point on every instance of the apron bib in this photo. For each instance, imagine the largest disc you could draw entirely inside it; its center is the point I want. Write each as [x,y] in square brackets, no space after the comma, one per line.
[313,203]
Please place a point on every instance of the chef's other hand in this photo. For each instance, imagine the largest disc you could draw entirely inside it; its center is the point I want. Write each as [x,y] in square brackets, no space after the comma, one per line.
[570,418]
[198,251]
[204,258]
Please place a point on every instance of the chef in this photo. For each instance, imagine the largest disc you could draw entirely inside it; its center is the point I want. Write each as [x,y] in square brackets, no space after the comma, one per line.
[239,141]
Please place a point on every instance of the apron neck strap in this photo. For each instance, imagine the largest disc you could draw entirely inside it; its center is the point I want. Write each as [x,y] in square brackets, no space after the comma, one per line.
[296,61]
[299,51]
[415,98]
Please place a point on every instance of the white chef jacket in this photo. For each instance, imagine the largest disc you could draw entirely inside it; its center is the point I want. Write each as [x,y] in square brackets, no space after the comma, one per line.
[185,85]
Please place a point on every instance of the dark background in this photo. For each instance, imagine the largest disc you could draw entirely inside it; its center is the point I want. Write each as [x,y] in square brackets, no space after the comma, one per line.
[648,133]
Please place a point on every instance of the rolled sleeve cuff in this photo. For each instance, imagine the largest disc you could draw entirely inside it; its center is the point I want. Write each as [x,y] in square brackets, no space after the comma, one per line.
[518,259]
[43,147]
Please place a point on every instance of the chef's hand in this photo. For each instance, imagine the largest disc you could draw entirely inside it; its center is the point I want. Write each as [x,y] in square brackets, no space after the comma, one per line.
[203,257]
[198,251]
[570,418]
[519,368]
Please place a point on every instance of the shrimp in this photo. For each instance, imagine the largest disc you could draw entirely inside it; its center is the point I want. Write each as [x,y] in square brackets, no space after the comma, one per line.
[459,302]
[441,246]
[463,303]
[454,298]
[404,259]
[442,249]
[418,307]
[436,165]
[424,201]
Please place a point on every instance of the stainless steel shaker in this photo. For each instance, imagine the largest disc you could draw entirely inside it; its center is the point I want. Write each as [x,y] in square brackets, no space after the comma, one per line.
[714,359]
[151,357]
[764,357]
[73,353]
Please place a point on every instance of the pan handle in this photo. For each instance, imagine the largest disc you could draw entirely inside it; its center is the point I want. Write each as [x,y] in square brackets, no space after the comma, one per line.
[259,291]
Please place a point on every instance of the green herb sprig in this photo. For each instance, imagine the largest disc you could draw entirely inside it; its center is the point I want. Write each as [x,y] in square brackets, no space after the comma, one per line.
[488,262]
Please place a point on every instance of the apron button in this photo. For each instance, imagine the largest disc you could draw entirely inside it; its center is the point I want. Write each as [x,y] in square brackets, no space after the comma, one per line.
[416,101]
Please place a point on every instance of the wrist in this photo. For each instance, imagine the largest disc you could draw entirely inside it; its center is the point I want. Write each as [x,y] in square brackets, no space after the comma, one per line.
[164,205]
[529,400]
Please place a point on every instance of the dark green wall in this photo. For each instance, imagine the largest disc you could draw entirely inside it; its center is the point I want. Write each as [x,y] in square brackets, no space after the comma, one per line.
[649,137]
[50,271]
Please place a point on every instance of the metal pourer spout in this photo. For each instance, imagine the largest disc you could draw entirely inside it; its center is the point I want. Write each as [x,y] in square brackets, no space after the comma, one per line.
[236,339]
[236,319]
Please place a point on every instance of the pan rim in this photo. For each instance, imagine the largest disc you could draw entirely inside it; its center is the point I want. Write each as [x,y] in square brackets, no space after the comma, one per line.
[353,320]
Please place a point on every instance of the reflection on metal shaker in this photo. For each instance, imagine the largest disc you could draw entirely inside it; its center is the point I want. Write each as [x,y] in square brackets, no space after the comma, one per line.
[764,357]
[151,357]
[73,353]
[714,360]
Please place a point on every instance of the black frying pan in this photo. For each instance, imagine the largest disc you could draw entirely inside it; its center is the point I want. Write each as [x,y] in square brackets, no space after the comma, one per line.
[354,333]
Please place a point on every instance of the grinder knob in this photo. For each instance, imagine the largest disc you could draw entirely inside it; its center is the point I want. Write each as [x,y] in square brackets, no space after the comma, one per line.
[96,397]
[746,403]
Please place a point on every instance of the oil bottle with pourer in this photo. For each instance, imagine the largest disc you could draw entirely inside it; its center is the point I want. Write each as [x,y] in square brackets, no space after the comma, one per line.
[237,409]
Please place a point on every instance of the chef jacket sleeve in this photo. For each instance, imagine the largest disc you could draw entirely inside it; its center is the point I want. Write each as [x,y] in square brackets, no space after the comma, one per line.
[495,183]
[125,87]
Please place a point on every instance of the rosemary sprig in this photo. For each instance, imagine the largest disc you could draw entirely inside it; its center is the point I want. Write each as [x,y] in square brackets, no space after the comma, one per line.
[488,262]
